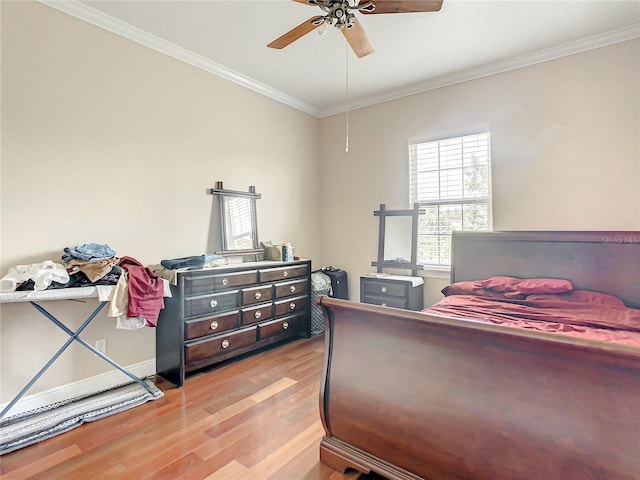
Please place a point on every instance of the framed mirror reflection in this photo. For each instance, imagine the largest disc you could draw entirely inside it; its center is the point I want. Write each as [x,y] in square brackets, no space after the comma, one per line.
[397,239]
[235,216]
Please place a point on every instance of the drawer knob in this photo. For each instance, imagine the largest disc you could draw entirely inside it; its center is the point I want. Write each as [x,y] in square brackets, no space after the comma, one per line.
[285,325]
[292,288]
[292,306]
[383,304]
[213,303]
[258,314]
[383,289]
[225,343]
[285,274]
[214,325]
[225,281]
[258,295]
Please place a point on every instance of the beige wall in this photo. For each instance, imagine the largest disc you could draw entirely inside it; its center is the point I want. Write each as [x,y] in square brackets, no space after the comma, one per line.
[565,140]
[106,141]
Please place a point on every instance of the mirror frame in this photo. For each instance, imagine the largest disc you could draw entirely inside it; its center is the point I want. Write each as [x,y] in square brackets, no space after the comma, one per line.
[222,194]
[381,263]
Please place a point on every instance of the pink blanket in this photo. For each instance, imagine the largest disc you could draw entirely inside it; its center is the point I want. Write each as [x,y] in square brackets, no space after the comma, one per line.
[596,322]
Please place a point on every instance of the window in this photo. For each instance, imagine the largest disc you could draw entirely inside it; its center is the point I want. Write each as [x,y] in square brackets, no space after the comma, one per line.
[451,180]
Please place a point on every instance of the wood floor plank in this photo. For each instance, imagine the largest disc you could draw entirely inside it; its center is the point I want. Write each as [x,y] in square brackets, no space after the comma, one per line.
[252,418]
[286,451]
[231,471]
[272,389]
[43,463]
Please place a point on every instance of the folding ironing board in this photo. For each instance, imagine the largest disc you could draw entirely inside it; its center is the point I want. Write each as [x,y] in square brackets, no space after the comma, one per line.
[103,293]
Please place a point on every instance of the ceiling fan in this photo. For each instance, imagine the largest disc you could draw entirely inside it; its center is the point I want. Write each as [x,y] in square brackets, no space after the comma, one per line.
[340,14]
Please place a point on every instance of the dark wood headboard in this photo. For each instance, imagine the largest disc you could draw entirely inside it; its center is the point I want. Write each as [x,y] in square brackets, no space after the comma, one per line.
[607,262]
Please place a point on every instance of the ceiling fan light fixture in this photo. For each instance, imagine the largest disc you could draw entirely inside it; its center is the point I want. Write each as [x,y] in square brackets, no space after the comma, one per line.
[323,28]
[341,15]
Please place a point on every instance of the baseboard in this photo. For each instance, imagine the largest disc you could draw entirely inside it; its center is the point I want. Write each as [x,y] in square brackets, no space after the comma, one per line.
[85,386]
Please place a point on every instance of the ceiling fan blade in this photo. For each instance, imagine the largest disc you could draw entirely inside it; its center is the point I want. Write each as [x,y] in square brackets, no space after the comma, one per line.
[305,2]
[403,6]
[358,40]
[295,33]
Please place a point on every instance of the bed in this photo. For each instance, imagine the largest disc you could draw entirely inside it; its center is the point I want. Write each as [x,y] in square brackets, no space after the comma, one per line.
[412,395]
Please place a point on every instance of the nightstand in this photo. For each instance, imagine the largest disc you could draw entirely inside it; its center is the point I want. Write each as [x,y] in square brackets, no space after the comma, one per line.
[392,291]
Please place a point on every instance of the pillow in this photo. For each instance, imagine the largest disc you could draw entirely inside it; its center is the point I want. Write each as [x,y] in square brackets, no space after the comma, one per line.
[527,286]
[474,287]
[462,288]
[574,299]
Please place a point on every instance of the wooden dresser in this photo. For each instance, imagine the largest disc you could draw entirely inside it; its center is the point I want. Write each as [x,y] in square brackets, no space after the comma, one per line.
[392,291]
[219,313]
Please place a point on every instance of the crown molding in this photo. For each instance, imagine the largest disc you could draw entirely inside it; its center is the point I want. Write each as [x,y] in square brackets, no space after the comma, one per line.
[563,50]
[113,25]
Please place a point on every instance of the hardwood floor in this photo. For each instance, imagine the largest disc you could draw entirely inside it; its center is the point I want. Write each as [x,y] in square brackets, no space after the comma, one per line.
[254,418]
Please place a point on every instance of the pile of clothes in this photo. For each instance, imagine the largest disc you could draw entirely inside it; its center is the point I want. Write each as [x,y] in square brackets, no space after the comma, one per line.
[137,296]
[91,264]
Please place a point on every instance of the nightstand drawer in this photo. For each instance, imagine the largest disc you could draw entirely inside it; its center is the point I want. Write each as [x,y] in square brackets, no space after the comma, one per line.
[211,325]
[392,291]
[396,302]
[219,344]
[377,287]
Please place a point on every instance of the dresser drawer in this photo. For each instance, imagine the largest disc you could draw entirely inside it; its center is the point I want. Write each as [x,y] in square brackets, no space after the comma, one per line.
[284,326]
[282,273]
[259,313]
[290,305]
[220,344]
[194,285]
[238,279]
[205,304]
[211,325]
[396,302]
[259,294]
[377,287]
[296,287]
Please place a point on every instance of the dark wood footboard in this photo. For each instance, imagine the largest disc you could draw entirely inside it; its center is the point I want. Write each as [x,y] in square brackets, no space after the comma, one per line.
[413,396]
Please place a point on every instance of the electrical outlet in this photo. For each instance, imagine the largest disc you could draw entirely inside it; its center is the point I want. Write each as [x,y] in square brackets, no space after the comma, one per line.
[101,345]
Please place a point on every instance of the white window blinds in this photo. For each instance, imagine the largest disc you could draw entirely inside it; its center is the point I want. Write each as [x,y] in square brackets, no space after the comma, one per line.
[451,180]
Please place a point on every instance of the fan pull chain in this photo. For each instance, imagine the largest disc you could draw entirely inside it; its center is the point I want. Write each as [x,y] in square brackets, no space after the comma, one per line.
[346,148]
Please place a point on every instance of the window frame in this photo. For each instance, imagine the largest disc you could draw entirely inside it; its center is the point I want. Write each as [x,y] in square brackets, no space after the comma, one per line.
[441,268]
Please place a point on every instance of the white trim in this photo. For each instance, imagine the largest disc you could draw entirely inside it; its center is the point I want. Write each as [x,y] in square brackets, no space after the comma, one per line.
[436,272]
[107,22]
[85,386]
[113,25]
[563,50]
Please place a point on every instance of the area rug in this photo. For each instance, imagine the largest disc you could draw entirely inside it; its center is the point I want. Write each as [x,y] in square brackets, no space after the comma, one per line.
[30,427]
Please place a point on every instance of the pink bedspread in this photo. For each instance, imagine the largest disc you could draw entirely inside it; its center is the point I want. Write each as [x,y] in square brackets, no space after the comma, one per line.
[620,325]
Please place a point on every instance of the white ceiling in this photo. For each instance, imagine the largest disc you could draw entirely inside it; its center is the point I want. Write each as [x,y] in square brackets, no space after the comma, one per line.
[414,52]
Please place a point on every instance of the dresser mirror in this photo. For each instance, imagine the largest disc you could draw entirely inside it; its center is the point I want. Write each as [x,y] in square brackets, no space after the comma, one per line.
[235,213]
[398,239]
[239,233]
